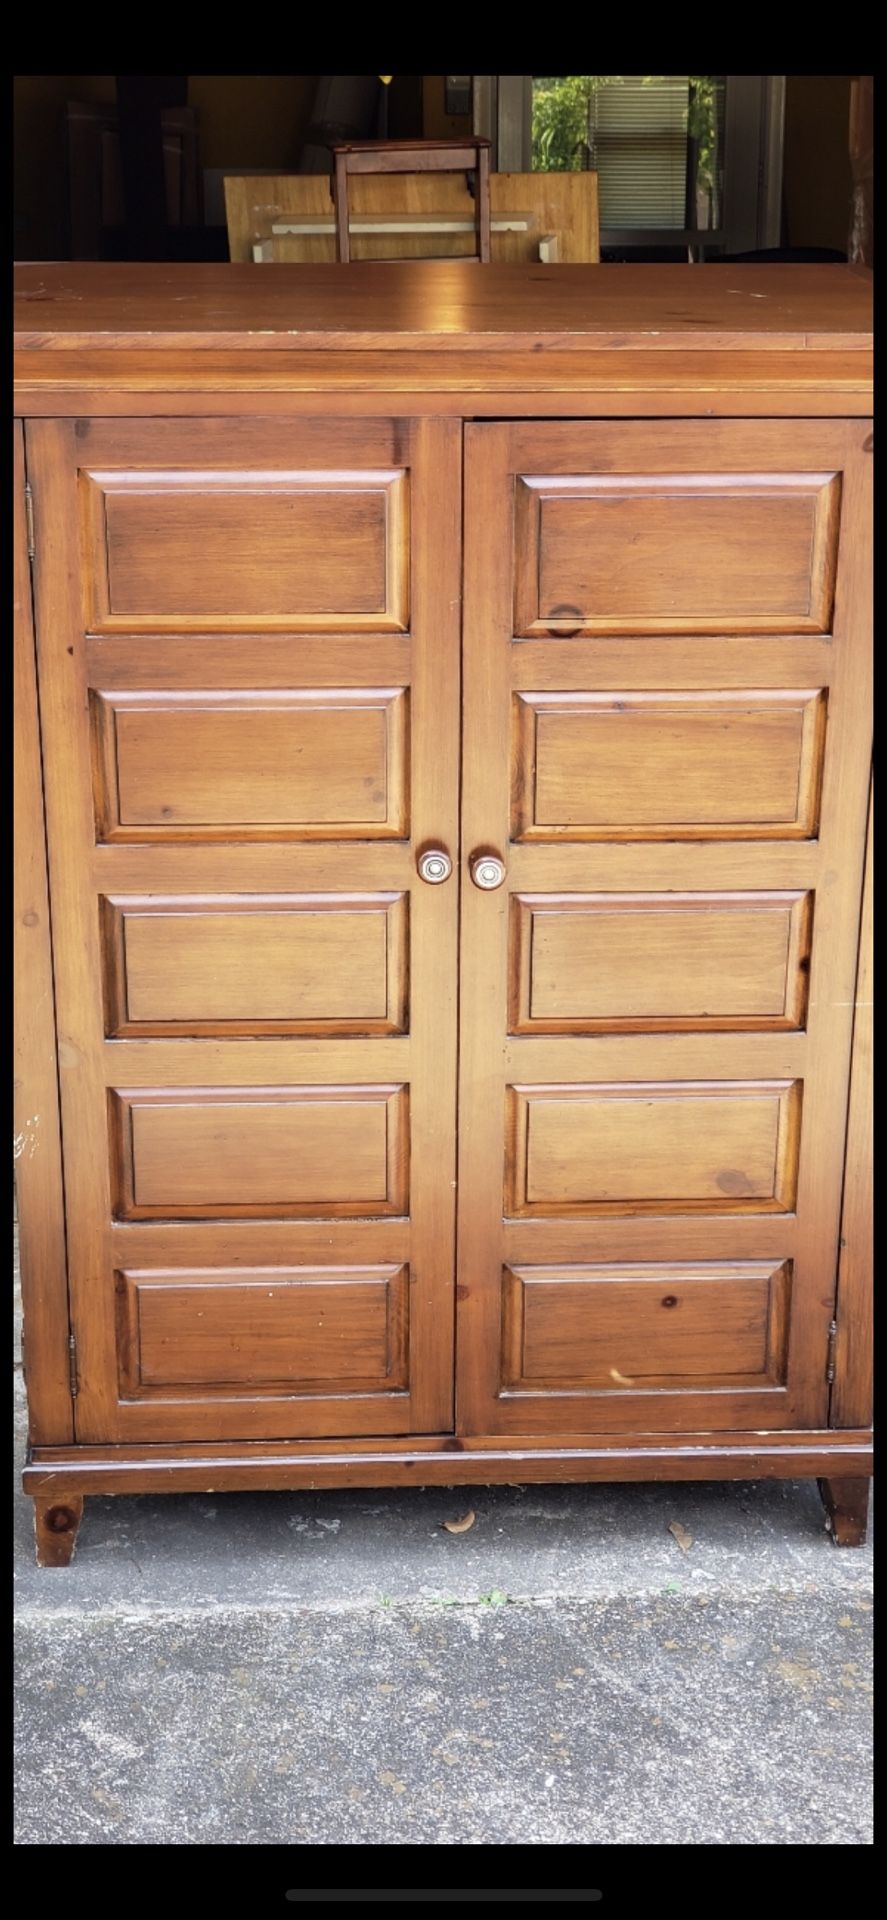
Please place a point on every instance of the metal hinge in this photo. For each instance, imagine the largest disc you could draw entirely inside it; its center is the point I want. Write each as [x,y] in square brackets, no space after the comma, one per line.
[830,1358]
[72,1366]
[29,517]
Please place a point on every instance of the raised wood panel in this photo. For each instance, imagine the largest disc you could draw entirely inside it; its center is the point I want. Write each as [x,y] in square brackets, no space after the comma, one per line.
[672,1147]
[306,765]
[634,962]
[663,766]
[614,1328]
[240,549]
[202,1153]
[334,1329]
[256,964]
[637,553]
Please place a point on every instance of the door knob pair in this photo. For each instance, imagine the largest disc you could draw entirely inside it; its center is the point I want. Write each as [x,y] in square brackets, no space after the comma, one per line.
[486,869]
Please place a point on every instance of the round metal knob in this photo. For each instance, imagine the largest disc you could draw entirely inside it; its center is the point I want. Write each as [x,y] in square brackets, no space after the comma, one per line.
[487,871]
[435,866]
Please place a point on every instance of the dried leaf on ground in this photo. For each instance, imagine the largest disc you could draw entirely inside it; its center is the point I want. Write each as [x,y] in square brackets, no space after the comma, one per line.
[461,1525]
[680,1534]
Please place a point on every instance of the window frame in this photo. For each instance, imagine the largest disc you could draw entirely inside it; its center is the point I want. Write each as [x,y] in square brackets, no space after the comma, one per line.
[753,151]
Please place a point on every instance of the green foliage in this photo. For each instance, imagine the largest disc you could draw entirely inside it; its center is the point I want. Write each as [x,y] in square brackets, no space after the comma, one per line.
[702,126]
[560,122]
[562,110]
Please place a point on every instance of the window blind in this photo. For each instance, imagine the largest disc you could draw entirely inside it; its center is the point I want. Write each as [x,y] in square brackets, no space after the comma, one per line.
[638,141]
[656,144]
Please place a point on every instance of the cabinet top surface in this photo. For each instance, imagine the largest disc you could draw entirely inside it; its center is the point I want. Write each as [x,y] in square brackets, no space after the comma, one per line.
[90,305]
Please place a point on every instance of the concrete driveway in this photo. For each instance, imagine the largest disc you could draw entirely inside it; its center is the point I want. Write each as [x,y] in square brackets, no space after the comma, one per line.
[337,1667]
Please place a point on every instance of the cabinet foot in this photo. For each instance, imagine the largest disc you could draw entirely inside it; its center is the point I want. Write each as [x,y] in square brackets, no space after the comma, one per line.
[846,1502]
[56,1526]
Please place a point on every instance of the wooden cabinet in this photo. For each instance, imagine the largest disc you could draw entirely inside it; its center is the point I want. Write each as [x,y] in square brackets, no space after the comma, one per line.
[449,736]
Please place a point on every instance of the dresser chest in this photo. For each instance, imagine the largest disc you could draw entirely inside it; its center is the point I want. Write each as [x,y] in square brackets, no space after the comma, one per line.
[443,776]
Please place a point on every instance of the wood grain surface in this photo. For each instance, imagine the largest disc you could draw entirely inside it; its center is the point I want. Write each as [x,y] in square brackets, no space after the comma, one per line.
[430,303]
[250,487]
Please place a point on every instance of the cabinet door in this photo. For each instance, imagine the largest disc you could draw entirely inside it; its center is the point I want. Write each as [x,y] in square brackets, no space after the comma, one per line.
[248,641]
[667,717]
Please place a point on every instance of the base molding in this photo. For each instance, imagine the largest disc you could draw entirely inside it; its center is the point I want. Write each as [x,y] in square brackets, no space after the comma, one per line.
[442,1460]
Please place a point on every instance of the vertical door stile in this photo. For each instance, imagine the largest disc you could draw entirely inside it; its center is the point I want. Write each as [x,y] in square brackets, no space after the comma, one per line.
[37,1142]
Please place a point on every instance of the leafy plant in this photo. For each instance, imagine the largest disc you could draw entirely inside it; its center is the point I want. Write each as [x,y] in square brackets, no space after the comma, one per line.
[561,125]
[561,114]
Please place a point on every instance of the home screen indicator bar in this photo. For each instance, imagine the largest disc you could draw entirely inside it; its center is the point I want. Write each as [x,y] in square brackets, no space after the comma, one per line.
[307,1896]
